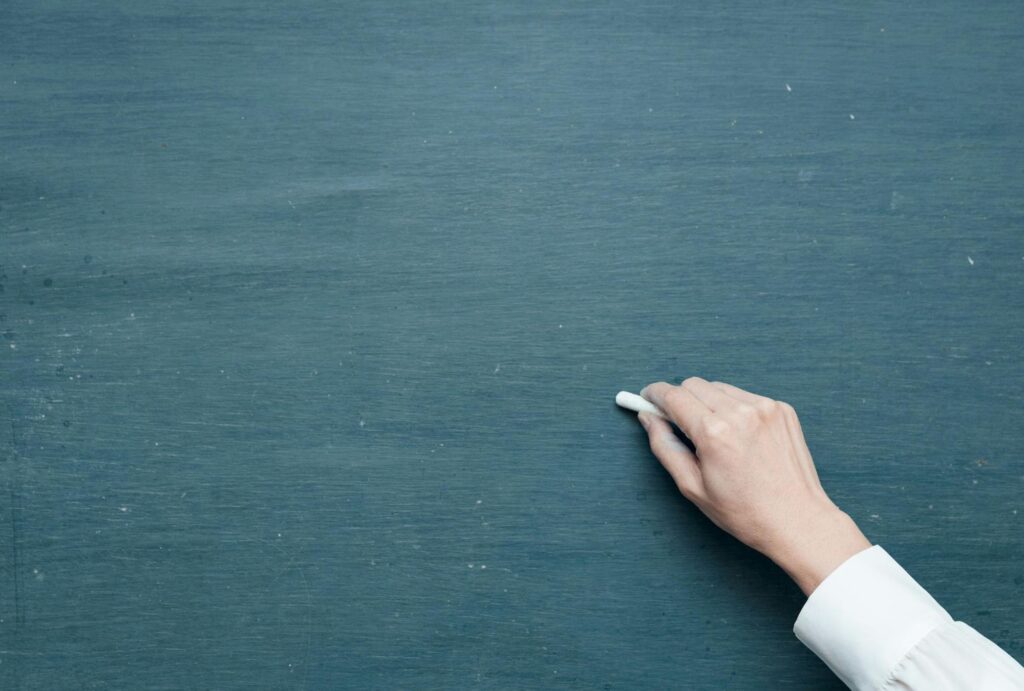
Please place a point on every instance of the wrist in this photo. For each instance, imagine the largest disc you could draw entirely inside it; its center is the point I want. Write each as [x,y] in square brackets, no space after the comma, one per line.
[823,542]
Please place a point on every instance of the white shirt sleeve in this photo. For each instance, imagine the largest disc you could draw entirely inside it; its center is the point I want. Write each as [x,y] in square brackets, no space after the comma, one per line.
[878,630]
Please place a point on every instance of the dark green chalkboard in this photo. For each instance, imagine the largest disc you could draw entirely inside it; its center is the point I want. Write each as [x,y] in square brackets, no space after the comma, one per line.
[311,311]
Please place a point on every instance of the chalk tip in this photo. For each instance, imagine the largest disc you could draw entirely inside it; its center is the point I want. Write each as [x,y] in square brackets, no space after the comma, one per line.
[637,404]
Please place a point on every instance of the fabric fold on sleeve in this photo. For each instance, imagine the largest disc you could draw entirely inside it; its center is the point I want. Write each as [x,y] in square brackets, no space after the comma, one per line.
[955,657]
[865,617]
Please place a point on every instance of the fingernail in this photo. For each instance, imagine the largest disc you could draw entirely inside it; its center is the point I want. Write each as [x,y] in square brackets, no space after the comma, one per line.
[642,417]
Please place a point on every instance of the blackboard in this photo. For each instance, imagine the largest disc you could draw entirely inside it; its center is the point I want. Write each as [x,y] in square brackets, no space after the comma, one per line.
[313,313]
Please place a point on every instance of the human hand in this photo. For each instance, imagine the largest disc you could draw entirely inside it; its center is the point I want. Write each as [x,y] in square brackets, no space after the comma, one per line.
[752,475]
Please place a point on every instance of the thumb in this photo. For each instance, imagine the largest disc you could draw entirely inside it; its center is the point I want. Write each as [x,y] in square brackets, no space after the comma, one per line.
[679,461]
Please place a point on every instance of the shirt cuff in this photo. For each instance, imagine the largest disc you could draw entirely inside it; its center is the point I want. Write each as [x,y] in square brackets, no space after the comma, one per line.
[865,617]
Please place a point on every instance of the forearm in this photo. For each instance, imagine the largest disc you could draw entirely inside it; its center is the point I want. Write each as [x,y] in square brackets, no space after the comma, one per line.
[819,547]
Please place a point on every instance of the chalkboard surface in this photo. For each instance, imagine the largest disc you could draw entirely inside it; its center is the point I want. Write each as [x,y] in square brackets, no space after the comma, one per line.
[312,315]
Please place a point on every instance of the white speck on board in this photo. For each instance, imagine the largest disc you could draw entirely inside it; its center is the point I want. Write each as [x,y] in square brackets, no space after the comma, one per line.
[362,423]
[788,87]
[852,117]
[970,261]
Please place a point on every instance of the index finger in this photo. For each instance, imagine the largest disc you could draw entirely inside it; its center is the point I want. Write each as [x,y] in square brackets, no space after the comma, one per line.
[685,409]
[738,393]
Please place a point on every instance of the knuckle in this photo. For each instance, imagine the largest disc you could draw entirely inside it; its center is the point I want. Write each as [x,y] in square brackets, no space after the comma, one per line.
[745,411]
[767,407]
[715,428]
[672,397]
[786,408]
[690,381]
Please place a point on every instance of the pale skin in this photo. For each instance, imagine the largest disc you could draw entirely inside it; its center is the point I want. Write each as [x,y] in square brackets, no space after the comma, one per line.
[752,475]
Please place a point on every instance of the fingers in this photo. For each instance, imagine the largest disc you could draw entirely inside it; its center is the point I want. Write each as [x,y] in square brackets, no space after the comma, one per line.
[685,409]
[747,406]
[678,460]
[737,393]
[711,396]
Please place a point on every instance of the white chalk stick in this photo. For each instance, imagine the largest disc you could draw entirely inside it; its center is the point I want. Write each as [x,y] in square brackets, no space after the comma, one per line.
[638,404]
